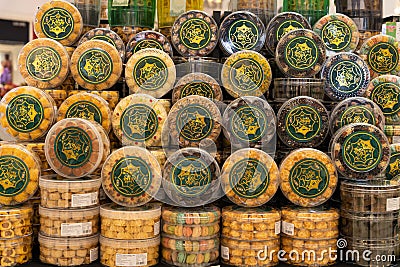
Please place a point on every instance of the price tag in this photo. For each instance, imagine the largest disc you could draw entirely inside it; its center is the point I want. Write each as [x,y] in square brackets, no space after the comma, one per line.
[127,260]
[120,3]
[94,254]
[76,229]
[278,228]
[392,204]
[287,228]
[225,253]
[157,228]
[84,200]
[177,7]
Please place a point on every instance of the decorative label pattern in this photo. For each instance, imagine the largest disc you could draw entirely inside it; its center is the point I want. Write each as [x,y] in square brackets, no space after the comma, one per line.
[246,75]
[147,43]
[383,58]
[387,96]
[150,73]
[346,76]
[139,122]
[336,35]
[357,114]
[303,123]
[243,34]
[14,176]
[84,110]
[248,123]
[195,33]
[43,63]
[95,66]
[194,122]
[301,53]
[57,23]
[199,88]
[287,26]
[393,169]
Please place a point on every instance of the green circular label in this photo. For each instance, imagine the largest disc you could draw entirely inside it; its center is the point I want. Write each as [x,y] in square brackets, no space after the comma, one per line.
[387,97]
[14,176]
[84,110]
[150,73]
[24,113]
[383,57]
[393,170]
[362,151]
[194,122]
[346,76]
[246,75]
[131,176]
[287,26]
[191,176]
[195,33]
[309,178]
[199,88]
[57,23]
[356,114]
[139,122]
[249,178]
[95,66]
[301,53]
[147,43]
[104,38]
[43,63]
[73,147]
[248,123]
[336,35]
[243,34]
[303,123]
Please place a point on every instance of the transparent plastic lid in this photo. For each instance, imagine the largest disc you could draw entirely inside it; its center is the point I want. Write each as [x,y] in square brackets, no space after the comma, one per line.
[112,97]
[171,242]
[201,215]
[68,243]
[148,39]
[316,214]
[392,171]
[18,242]
[371,217]
[240,214]
[116,212]
[372,187]
[249,245]
[69,214]
[129,244]
[24,210]
[373,244]
[59,182]
[106,35]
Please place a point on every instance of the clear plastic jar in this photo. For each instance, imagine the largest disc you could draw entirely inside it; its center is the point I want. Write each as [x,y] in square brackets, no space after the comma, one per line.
[15,222]
[16,251]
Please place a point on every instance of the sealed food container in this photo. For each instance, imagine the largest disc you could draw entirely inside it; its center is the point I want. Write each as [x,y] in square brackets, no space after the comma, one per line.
[59,20]
[247,253]
[354,110]
[302,122]
[131,176]
[150,71]
[27,113]
[241,30]
[114,252]
[35,203]
[15,222]
[184,245]
[346,75]
[20,172]
[384,91]
[360,151]
[90,11]
[58,96]
[130,223]
[112,97]
[393,170]
[131,13]
[191,231]
[191,178]
[362,225]
[287,88]
[251,224]
[250,177]
[16,251]
[74,147]
[69,222]
[318,223]
[69,251]
[58,192]
[148,39]
[191,216]
[194,33]
[43,63]
[308,177]
[138,120]
[300,54]
[246,73]
[197,83]
[189,259]
[86,106]
[381,52]
[107,36]
[168,12]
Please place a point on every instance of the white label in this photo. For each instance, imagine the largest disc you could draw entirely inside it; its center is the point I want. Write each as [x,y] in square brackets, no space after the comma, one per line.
[94,254]
[157,228]
[120,3]
[225,253]
[177,7]
[356,4]
[76,229]
[392,204]
[278,228]
[84,200]
[287,228]
[131,259]
[395,139]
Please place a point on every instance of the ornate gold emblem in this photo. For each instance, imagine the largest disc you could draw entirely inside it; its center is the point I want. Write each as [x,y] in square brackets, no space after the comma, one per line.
[150,73]
[383,59]
[361,152]
[394,167]
[195,33]
[248,76]
[347,76]
[43,63]
[243,36]
[96,65]
[12,174]
[303,122]
[387,97]
[59,22]
[300,55]
[335,33]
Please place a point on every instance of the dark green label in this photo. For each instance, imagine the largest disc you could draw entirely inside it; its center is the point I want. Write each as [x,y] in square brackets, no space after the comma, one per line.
[248,123]
[43,63]
[14,176]
[104,38]
[309,178]
[57,23]
[95,66]
[84,110]
[346,76]
[150,73]
[387,96]
[194,122]
[243,34]
[362,151]
[131,176]
[301,53]
[356,114]
[303,123]
[191,176]
[73,147]
[246,75]
[24,113]
[139,122]
[249,178]
[195,33]
[393,170]
[336,35]
[383,57]
[199,88]
[287,26]
[147,43]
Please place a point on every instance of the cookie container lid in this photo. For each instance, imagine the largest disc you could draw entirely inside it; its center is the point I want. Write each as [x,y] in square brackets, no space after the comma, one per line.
[241,30]
[116,212]
[69,214]
[19,211]
[148,39]
[177,244]
[370,217]
[393,171]
[69,243]
[249,245]
[17,242]
[129,244]
[260,214]
[385,243]
[44,63]
[58,182]
[371,187]
[187,216]
[315,214]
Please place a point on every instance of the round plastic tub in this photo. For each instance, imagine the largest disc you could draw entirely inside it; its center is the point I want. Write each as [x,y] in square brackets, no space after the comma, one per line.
[191,232]
[191,216]
[16,251]
[15,221]
[170,242]
[287,88]
[189,259]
